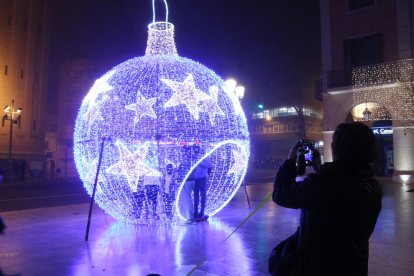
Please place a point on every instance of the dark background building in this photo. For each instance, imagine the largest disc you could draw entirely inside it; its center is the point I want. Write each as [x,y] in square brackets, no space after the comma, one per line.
[24,46]
[367,34]
[51,51]
[274,131]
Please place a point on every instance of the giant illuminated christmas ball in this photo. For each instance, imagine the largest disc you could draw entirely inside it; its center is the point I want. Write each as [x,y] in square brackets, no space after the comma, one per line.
[160,116]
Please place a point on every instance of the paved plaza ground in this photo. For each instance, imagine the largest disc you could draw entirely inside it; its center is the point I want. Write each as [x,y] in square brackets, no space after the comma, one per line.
[51,240]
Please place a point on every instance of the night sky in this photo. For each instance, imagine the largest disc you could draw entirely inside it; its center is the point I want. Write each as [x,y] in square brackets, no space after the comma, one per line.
[272,47]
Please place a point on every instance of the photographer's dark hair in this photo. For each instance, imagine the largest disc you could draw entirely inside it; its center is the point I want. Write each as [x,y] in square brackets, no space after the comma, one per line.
[354,143]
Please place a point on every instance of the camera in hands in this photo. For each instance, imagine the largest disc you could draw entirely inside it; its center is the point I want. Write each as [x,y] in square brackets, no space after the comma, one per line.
[306,147]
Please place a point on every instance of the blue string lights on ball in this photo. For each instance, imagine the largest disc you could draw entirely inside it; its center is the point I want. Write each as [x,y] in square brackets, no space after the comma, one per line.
[162,114]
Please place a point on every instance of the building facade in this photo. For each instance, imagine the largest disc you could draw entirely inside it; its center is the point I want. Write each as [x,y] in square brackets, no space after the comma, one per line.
[76,77]
[24,40]
[362,36]
[274,131]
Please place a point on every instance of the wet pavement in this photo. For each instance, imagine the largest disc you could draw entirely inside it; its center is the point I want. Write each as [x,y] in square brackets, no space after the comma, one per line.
[41,193]
[51,240]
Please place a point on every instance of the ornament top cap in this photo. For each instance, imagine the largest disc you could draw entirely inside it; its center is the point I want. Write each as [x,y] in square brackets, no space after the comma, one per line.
[161,39]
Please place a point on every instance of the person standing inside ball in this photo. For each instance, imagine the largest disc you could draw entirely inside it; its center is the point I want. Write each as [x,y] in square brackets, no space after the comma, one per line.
[200,187]
[186,197]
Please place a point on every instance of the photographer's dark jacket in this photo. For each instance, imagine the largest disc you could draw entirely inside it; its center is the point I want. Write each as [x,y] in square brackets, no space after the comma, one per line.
[340,206]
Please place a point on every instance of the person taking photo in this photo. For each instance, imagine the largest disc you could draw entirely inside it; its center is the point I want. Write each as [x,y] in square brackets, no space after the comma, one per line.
[339,206]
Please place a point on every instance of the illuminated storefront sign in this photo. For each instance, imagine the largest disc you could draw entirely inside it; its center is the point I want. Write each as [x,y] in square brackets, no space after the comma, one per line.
[382,130]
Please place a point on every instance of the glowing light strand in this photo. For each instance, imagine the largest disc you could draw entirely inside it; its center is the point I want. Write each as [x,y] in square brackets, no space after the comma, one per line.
[153,10]
[180,106]
[390,85]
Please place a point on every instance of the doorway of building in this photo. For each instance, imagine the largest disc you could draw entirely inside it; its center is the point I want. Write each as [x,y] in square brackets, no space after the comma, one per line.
[384,164]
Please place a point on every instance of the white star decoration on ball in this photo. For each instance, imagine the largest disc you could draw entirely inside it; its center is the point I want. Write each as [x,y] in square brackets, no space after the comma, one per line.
[142,107]
[94,113]
[211,106]
[100,86]
[186,93]
[132,165]
[238,164]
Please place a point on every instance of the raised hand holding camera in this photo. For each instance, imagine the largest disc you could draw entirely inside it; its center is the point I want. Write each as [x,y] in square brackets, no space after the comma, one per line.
[302,154]
[294,151]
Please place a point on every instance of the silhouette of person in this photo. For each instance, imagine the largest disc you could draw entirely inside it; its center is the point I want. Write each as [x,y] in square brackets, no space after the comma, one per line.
[169,182]
[2,226]
[340,205]
[200,187]
[23,168]
[186,196]
[152,187]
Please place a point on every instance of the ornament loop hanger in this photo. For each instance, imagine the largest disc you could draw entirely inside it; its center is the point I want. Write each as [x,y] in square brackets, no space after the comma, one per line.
[153,11]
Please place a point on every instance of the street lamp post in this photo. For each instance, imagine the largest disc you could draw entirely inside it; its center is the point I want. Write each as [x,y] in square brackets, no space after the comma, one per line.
[13,115]
[238,90]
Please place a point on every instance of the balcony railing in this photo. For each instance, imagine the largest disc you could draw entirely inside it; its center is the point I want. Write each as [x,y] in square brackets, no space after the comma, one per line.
[339,78]
[391,71]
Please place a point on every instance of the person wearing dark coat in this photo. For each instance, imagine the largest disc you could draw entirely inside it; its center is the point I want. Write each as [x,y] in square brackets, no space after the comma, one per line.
[200,188]
[339,208]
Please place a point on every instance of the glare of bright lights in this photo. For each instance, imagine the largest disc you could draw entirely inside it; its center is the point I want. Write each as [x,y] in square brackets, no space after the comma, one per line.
[158,111]
[230,84]
[240,92]
[405,178]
